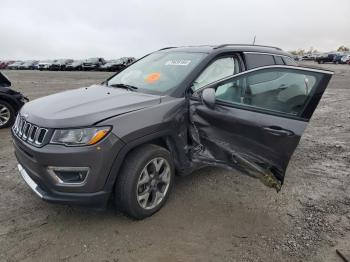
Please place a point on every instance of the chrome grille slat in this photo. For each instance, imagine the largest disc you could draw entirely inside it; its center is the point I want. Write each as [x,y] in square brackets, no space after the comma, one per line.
[38,139]
[21,125]
[28,132]
[15,126]
[26,128]
[31,136]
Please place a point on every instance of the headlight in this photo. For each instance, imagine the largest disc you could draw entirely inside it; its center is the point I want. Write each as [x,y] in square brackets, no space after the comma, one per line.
[79,137]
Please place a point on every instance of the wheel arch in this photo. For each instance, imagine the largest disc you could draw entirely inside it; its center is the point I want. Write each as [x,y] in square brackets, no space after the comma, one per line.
[11,101]
[163,139]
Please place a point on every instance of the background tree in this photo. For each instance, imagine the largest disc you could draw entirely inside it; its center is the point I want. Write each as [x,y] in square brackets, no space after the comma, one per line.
[343,48]
[311,51]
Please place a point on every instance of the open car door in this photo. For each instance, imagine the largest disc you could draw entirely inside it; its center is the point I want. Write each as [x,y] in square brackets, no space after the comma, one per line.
[253,121]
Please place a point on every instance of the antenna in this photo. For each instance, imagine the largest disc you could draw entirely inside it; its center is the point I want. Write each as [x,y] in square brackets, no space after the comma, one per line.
[254,40]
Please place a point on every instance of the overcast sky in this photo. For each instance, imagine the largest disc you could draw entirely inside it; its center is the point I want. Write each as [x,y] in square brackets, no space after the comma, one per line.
[39,29]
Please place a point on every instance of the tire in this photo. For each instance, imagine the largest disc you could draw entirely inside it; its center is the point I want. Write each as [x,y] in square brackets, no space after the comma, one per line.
[131,188]
[7,114]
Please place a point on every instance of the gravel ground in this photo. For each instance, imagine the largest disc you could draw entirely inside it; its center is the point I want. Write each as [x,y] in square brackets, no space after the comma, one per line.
[212,215]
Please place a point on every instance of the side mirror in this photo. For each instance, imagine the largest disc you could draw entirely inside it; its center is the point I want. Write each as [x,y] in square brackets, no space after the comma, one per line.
[208,97]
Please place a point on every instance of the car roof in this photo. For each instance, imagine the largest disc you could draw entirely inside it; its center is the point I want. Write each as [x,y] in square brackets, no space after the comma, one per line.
[227,48]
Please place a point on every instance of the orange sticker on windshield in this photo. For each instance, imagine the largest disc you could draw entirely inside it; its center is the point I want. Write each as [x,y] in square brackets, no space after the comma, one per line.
[153,77]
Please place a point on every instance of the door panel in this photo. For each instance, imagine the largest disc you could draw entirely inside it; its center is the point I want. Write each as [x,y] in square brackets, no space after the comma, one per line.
[252,135]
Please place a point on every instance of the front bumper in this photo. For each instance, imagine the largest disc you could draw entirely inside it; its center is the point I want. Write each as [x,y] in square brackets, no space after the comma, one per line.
[97,200]
[34,167]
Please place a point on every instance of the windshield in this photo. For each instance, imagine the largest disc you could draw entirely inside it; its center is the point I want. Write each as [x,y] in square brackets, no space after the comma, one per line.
[158,72]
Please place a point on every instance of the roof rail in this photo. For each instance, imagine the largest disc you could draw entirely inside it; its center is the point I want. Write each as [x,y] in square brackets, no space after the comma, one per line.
[224,45]
[169,47]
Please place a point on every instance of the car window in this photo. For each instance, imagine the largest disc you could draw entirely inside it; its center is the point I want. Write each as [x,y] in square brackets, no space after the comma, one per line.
[281,90]
[220,68]
[278,60]
[289,61]
[258,60]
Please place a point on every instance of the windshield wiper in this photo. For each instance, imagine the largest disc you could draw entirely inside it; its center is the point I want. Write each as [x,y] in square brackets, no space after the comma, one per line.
[128,87]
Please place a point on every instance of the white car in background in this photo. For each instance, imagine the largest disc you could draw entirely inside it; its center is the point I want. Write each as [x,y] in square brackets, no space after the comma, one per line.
[345,59]
[45,65]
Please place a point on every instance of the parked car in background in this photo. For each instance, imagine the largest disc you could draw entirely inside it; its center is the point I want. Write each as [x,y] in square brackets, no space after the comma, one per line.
[28,65]
[307,57]
[113,65]
[345,59]
[93,63]
[118,64]
[15,65]
[5,64]
[310,57]
[128,60]
[172,112]
[338,59]
[45,65]
[75,65]
[60,64]
[11,102]
[326,58]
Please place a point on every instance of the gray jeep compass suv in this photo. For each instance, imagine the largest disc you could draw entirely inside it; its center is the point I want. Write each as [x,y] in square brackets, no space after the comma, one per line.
[171,112]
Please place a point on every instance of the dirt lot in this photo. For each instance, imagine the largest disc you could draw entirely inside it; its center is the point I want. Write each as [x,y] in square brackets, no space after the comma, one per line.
[212,215]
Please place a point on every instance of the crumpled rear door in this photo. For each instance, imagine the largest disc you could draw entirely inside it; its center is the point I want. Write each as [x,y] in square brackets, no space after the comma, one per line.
[258,120]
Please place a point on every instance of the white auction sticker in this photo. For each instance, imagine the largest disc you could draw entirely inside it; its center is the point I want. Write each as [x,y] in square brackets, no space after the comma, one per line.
[178,62]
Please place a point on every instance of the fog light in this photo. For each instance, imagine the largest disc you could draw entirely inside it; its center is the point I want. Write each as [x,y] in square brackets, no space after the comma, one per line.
[69,175]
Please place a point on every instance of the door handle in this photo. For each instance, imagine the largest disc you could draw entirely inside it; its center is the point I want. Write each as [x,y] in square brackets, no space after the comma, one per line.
[278,131]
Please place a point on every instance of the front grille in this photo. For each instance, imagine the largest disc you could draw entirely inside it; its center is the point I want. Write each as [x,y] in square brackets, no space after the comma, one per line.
[29,132]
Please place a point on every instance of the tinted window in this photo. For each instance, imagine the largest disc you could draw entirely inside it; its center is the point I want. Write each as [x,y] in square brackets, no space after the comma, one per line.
[258,60]
[279,60]
[289,61]
[281,90]
[220,68]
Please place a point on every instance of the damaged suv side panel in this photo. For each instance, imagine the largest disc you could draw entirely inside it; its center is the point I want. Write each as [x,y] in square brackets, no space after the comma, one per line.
[250,131]
[171,112]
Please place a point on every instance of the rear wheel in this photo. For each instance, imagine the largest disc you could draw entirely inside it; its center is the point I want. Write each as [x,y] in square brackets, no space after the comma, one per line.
[144,182]
[7,114]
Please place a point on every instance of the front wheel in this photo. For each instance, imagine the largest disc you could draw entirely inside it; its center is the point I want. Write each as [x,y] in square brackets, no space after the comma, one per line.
[7,114]
[145,181]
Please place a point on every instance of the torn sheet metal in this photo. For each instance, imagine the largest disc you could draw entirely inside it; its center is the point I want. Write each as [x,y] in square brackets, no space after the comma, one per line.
[211,147]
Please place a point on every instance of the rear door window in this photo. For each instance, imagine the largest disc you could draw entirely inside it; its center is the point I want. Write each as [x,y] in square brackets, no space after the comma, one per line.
[220,68]
[289,61]
[281,90]
[258,60]
[279,60]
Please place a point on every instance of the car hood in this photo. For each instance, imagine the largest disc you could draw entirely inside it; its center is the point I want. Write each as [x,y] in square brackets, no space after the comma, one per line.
[85,106]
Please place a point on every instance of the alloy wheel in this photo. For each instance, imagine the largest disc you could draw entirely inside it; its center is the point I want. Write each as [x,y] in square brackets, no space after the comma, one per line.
[5,115]
[153,183]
